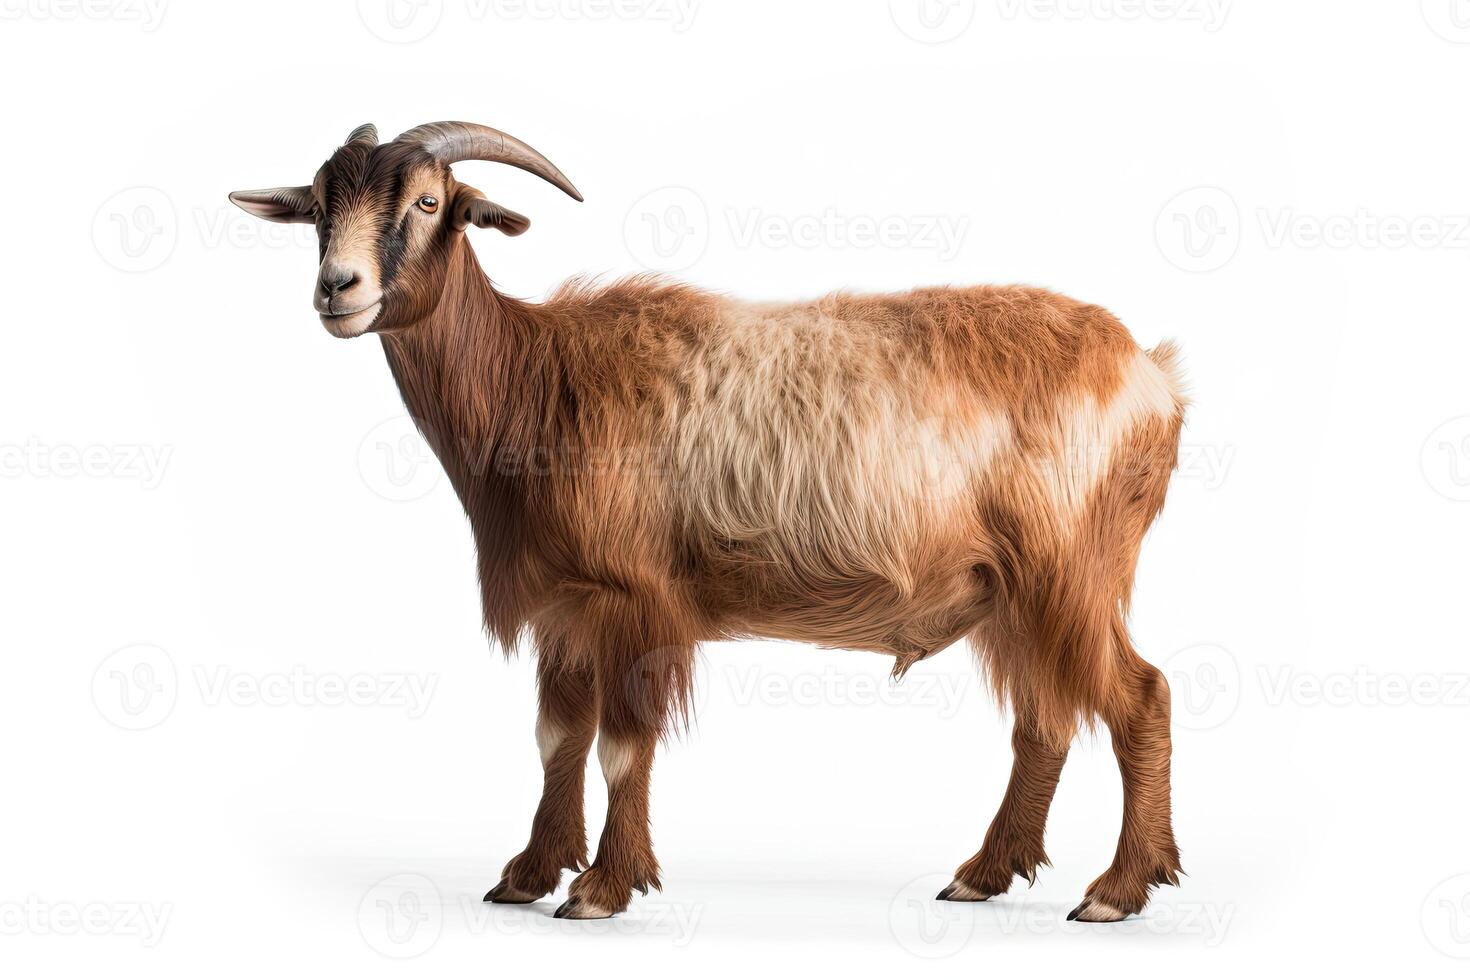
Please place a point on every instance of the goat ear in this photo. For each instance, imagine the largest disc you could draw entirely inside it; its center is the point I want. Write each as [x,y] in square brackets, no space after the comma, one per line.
[472,209]
[289,204]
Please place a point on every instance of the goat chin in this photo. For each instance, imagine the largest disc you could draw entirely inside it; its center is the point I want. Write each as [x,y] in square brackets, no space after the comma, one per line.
[352,324]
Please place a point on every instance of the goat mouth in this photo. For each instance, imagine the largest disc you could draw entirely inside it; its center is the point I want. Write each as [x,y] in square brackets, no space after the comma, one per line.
[354,323]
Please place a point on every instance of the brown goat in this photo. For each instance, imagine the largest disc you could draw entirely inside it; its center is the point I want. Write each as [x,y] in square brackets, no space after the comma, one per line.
[647,466]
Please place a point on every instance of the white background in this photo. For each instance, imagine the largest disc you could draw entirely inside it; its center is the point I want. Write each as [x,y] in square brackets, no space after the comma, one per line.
[212,515]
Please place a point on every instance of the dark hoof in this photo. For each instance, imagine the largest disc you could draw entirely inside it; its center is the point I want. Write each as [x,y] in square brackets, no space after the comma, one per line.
[958,891]
[1093,910]
[576,908]
[504,894]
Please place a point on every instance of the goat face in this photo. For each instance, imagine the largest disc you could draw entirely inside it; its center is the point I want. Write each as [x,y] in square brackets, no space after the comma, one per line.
[389,216]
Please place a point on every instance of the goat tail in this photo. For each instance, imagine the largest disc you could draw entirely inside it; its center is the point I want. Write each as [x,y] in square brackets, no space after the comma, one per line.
[1168,358]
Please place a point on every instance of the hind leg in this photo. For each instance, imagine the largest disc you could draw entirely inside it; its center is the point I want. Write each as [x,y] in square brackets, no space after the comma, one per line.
[1138,717]
[1014,843]
[565,722]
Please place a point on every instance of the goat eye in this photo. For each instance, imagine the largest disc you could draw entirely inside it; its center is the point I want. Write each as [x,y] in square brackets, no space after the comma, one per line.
[429,203]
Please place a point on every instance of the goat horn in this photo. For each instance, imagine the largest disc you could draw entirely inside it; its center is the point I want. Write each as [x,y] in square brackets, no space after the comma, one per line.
[366,133]
[451,142]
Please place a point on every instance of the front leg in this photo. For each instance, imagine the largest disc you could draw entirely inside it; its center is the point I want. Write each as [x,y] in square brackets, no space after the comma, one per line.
[625,859]
[643,672]
[565,722]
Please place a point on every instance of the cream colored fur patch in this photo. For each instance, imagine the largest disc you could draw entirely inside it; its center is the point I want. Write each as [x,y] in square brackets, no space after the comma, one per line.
[824,450]
[616,759]
[548,738]
[1090,434]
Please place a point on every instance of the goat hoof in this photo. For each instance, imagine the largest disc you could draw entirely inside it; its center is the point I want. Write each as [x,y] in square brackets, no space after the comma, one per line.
[506,894]
[1095,910]
[958,891]
[576,908]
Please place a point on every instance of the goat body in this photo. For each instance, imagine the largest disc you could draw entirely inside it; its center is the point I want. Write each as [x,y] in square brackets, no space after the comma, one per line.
[648,465]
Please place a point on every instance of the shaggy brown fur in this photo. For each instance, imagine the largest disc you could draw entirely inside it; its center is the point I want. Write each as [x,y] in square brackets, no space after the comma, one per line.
[647,466]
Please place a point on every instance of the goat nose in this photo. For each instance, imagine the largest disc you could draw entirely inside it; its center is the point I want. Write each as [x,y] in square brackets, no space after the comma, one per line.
[337,279]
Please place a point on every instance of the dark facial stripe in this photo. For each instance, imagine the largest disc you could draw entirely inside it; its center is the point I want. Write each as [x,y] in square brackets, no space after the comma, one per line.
[391,250]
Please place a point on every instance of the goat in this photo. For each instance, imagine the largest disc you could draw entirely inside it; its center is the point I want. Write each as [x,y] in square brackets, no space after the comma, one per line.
[647,466]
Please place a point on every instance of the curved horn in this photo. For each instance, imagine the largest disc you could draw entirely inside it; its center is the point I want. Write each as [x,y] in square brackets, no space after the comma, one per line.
[451,142]
[366,133]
